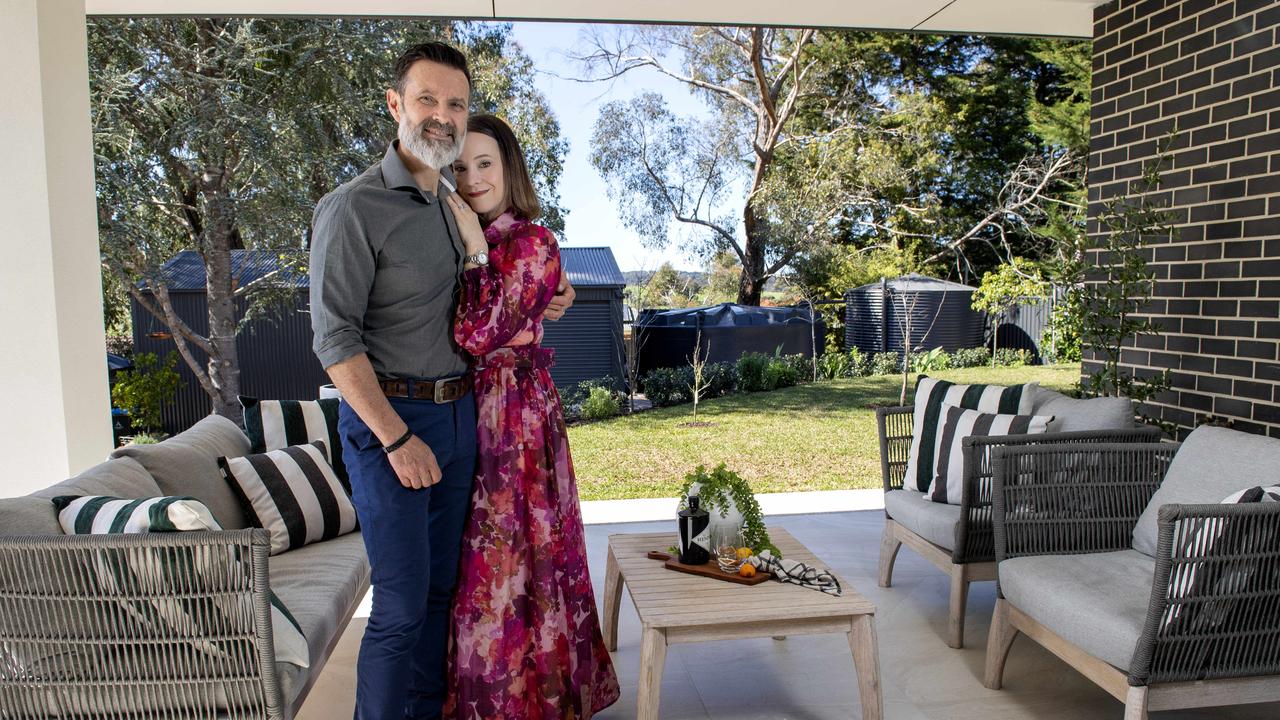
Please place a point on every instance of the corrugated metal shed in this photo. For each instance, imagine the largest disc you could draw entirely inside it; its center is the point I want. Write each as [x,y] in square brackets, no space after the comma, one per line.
[276,360]
[938,313]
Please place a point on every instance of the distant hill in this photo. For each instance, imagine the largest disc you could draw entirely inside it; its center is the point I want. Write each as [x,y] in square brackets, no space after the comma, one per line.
[641,277]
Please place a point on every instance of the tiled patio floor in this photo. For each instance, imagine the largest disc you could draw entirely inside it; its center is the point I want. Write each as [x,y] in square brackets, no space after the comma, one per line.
[811,677]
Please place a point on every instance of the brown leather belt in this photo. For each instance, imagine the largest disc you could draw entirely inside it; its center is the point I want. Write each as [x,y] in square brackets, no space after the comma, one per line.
[445,390]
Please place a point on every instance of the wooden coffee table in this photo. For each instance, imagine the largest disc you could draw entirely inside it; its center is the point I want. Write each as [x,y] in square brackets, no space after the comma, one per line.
[680,608]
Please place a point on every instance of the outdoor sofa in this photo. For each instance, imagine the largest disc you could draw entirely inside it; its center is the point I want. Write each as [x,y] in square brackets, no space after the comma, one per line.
[74,645]
[1153,569]
[957,539]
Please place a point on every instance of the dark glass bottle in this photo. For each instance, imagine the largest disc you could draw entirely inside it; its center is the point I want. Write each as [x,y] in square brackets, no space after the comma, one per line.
[695,536]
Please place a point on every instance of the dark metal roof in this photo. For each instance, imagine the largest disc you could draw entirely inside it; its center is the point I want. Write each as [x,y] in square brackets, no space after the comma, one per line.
[185,272]
[592,267]
[915,282]
[586,266]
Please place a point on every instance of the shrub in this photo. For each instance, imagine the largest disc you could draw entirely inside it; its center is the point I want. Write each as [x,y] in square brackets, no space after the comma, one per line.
[1009,357]
[971,357]
[780,374]
[932,361]
[601,403]
[801,365]
[859,363]
[835,365]
[720,378]
[752,370]
[886,363]
[146,388]
[668,386]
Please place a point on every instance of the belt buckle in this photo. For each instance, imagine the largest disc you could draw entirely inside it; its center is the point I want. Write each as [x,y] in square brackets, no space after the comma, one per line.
[447,390]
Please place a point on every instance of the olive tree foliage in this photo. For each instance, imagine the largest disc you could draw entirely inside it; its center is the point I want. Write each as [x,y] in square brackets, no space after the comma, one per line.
[707,173]
[214,135]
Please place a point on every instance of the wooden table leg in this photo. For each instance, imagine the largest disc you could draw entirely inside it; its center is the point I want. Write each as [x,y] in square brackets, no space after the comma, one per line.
[866,660]
[653,655]
[612,601]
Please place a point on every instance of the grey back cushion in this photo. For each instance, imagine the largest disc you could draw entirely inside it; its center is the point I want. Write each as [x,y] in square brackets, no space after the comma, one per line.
[1212,463]
[119,477]
[187,464]
[36,515]
[1071,415]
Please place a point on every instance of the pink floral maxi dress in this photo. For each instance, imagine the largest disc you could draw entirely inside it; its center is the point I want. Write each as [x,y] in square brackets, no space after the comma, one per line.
[526,636]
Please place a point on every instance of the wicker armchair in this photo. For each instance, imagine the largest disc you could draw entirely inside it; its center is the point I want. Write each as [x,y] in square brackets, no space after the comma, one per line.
[180,629]
[1197,625]
[966,550]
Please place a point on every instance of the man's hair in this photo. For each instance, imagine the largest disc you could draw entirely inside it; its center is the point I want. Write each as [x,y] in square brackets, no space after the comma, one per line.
[521,197]
[436,52]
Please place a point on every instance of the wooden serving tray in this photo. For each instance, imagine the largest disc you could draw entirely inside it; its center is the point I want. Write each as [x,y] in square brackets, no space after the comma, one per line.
[710,570]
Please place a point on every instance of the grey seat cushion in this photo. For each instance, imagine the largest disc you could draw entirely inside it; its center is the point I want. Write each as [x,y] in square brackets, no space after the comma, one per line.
[28,516]
[187,464]
[320,584]
[1071,414]
[935,522]
[1097,602]
[1212,463]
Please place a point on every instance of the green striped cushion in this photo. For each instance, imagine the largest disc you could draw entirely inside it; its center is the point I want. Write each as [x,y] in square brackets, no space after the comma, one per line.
[195,618]
[926,428]
[275,424]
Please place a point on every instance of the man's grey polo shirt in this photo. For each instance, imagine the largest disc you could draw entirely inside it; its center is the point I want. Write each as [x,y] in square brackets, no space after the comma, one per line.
[385,265]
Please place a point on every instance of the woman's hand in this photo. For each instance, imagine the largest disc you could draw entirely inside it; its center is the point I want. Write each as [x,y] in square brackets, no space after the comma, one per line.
[468,224]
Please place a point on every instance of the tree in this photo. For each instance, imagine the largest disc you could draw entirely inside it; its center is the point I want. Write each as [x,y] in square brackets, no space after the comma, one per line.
[668,288]
[221,134]
[1003,289]
[722,278]
[660,168]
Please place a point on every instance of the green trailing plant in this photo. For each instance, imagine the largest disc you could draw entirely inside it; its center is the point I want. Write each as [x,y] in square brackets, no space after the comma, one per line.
[146,388]
[1117,285]
[715,488]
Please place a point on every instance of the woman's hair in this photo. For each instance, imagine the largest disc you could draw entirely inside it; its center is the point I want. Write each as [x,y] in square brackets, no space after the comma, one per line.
[521,197]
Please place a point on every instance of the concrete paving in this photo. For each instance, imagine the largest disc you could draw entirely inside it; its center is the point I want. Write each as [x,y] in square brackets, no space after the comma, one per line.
[812,677]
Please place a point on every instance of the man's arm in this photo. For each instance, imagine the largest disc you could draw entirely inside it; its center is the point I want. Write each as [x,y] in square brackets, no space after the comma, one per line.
[342,271]
[563,299]
[413,462]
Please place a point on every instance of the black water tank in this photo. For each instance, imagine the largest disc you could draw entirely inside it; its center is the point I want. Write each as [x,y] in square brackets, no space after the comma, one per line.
[666,337]
[937,312]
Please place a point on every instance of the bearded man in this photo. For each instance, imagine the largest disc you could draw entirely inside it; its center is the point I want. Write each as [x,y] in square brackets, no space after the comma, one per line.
[386,259]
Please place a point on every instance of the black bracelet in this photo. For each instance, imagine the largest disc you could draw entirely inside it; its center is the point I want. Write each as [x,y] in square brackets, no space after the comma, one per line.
[388,449]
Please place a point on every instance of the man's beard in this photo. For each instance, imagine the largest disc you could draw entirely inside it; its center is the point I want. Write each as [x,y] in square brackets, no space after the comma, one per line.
[432,152]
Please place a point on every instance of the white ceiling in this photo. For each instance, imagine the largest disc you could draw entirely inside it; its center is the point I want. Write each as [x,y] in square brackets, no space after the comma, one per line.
[1065,18]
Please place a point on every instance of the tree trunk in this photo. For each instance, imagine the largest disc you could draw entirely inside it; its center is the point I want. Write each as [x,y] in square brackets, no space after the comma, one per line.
[224,361]
[751,282]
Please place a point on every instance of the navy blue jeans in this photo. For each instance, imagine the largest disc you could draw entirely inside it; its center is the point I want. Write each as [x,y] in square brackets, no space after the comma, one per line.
[413,538]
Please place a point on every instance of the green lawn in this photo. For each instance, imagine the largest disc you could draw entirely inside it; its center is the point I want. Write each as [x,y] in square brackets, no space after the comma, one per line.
[811,437]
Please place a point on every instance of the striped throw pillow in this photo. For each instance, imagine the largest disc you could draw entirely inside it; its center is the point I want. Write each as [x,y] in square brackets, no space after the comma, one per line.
[293,493]
[275,424]
[958,424]
[931,395]
[140,569]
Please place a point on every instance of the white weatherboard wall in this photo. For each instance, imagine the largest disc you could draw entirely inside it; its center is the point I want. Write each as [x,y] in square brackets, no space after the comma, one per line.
[56,410]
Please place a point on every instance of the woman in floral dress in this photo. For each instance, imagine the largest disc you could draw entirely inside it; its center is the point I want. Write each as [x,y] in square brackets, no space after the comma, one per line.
[526,639]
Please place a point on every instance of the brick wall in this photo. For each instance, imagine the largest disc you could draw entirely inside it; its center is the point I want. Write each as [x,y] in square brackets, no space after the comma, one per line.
[1211,70]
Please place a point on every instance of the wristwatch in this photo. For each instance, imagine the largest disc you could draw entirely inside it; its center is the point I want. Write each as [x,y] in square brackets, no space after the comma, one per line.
[480,258]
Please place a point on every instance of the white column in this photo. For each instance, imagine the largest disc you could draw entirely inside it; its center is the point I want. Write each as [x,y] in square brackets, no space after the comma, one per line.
[54,404]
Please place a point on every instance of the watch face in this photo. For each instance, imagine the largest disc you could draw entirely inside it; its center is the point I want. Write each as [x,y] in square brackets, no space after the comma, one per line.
[482,258]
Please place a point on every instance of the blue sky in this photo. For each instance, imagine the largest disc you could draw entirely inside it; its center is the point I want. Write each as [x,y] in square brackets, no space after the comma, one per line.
[593,218]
